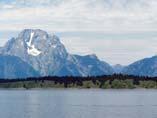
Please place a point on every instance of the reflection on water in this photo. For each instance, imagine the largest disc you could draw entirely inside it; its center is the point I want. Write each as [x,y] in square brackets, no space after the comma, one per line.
[60,103]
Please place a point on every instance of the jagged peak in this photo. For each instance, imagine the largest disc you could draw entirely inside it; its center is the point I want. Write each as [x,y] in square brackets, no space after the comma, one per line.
[36,31]
[94,56]
[33,30]
[46,54]
[155,56]
[26,32]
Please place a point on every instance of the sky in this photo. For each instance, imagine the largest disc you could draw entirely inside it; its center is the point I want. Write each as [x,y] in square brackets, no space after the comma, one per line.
[117,31]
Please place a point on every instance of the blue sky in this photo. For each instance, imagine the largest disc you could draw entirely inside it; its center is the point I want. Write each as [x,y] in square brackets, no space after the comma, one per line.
[117,31]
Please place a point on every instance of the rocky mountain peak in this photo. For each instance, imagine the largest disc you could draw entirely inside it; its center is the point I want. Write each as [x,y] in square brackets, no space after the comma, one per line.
[93,56]
[48,56]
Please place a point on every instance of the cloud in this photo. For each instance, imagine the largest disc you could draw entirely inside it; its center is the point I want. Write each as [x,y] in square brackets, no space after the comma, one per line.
[80,15]
[115,48]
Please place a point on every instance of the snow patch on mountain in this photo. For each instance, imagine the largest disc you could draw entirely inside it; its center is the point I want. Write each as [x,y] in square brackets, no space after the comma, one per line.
[31,48]
[54,46]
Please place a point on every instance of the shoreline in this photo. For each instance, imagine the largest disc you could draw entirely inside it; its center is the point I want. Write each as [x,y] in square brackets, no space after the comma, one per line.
[77,89]
[99,82]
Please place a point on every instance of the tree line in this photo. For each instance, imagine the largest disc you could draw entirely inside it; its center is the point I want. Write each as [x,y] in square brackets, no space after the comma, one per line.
[116,81]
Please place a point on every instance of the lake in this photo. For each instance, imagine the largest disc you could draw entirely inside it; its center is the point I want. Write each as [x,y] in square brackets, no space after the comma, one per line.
[78,103]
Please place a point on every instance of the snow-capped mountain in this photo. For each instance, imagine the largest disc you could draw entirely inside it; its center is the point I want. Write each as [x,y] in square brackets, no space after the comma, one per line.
[47,55]
[144,67]
[43,52]
[14,67]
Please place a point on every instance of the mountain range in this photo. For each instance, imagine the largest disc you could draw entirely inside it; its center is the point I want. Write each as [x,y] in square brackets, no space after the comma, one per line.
[35,53]
[48,56]
[144,67]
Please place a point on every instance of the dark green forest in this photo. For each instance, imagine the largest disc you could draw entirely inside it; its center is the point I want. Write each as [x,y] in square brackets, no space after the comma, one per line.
[104,82]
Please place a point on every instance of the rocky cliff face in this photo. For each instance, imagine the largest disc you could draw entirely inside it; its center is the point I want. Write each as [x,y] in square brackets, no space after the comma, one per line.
[44,52]
[47,55]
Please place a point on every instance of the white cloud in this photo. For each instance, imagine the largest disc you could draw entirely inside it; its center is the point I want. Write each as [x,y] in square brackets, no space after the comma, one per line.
[119,50]
[82,15]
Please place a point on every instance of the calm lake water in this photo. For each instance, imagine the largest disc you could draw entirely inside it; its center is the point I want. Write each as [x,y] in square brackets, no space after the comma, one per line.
[73,103]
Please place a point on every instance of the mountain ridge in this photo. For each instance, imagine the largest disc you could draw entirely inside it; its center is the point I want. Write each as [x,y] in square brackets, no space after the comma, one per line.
[14,67]
[143,67]
[47,55]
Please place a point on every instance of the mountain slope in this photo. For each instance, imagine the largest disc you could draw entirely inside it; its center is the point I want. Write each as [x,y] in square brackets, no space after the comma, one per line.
[144,67]
[39,49]
[118,68]
[91,65]
[14,67]
[88,65]
[47,55]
